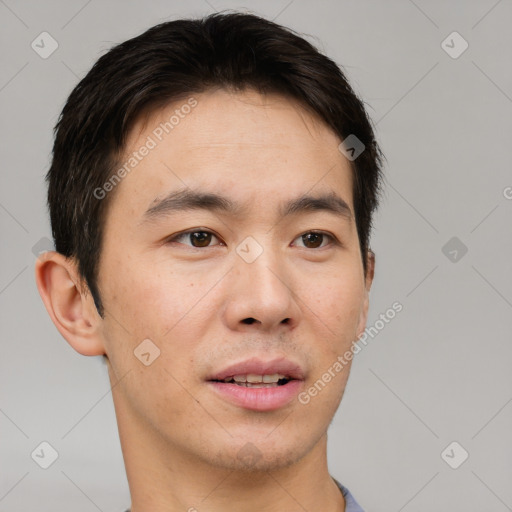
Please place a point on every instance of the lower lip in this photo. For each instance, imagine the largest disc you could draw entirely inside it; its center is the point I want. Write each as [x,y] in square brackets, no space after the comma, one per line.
[258,399]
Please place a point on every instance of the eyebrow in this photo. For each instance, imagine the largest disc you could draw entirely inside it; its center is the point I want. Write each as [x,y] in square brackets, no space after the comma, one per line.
[190,200]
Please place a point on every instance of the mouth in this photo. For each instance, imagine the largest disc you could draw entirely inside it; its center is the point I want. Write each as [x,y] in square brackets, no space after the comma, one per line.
[258,385]
[257,381]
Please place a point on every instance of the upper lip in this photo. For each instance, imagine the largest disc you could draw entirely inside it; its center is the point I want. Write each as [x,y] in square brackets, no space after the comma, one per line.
[257,366]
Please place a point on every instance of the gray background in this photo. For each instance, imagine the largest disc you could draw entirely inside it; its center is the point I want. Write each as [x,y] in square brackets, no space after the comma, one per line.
[438,372]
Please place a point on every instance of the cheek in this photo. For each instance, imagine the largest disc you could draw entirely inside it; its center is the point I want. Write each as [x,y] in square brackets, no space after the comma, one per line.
[339,303]
[159,308]
[339,308]
[147,299]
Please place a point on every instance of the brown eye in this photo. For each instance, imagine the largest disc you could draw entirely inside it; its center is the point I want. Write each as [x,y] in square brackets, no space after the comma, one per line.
[314,239]
[198,239]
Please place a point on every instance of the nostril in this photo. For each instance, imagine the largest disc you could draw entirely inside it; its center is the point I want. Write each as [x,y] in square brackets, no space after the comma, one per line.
[252,320]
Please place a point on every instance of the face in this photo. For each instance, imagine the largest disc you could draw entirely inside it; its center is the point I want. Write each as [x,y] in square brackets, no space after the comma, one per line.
[254,283]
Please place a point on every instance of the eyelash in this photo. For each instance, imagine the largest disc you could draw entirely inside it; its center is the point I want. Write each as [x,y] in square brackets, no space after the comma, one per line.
[334,240]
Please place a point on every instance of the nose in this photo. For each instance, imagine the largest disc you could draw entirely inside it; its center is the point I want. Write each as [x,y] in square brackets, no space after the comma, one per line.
[261,295]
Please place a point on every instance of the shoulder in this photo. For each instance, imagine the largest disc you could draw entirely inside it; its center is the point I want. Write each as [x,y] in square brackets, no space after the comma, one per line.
[351,504]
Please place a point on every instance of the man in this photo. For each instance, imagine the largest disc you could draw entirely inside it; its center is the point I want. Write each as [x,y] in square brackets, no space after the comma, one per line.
[211,195]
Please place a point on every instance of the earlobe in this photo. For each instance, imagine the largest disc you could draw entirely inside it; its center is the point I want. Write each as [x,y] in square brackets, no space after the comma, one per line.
[70,308]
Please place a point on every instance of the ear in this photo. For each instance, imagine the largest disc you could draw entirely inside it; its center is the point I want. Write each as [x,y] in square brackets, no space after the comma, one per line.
[370,271]
[69,305]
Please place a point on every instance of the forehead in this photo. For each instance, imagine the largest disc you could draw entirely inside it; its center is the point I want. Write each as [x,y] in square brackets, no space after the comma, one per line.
[245,142]
[226,116]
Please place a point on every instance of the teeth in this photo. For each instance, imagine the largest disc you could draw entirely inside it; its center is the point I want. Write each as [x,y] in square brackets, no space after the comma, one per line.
[252,378]
[272,378]
[259,385]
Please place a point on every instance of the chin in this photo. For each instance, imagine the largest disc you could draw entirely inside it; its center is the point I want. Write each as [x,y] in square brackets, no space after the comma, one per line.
[252,455]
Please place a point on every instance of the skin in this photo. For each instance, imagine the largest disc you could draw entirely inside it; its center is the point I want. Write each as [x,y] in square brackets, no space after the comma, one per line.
[180,440]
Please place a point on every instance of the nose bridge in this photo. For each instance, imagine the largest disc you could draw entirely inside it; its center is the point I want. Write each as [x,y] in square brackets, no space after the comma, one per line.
[264,268]
[260,290]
